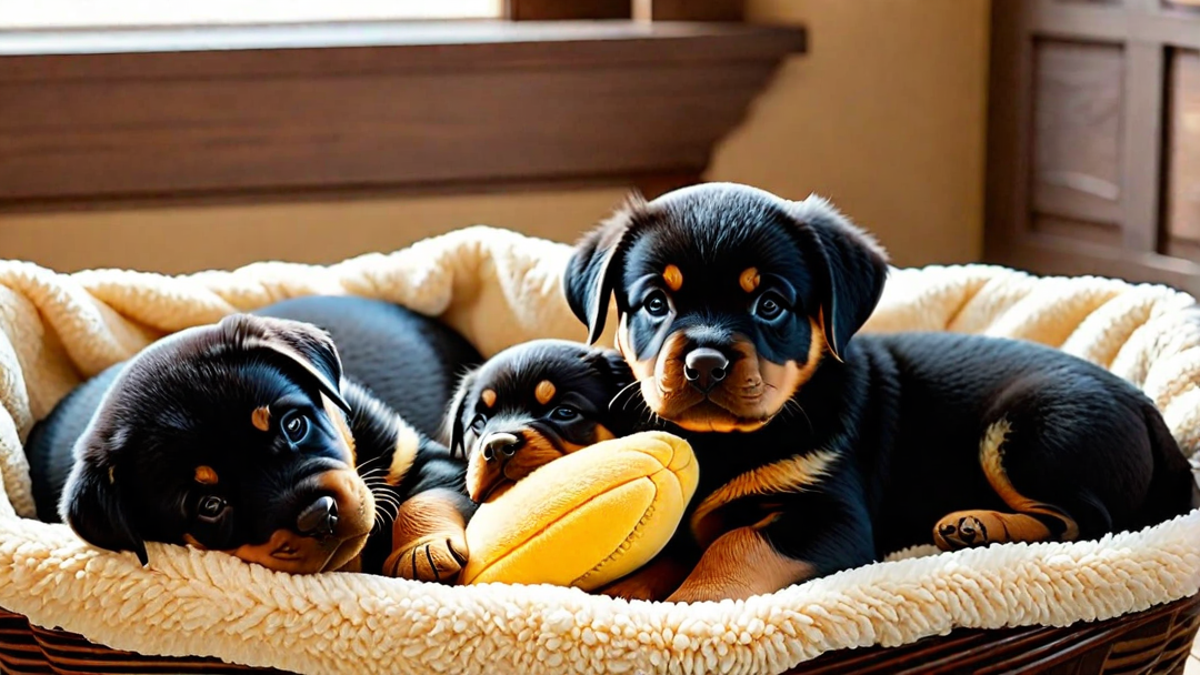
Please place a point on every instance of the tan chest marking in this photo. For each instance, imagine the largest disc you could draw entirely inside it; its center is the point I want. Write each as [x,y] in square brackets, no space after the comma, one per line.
[261,418]
[794,474]
[405,453]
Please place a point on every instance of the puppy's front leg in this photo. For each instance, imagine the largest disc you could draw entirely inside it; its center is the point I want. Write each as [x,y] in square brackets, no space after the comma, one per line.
[740,564]
[429,537]
[781,550]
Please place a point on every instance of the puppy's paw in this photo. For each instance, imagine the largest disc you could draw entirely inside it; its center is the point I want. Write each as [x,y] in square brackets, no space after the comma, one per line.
[963,529]
[436,558]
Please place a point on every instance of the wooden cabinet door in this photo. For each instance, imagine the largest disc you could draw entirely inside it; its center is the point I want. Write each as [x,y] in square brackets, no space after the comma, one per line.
[1094,139]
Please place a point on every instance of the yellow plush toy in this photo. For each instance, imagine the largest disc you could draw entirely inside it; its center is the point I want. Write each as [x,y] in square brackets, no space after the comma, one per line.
[586,519]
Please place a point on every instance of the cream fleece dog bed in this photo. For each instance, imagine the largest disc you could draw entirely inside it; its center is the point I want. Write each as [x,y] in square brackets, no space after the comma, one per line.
[500,288]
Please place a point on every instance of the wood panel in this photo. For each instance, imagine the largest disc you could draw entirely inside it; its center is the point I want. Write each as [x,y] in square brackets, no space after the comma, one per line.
[116,115]
[1077,131]
[1091,166]
[1183,168]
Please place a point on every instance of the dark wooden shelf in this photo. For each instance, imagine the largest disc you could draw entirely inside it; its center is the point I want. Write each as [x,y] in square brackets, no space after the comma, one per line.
[215,113]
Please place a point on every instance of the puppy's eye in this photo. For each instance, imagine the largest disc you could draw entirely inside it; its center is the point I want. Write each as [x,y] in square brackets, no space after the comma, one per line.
[656,304]
[769,307]
[211,507]
[295,426]
[564,413]
[477,423]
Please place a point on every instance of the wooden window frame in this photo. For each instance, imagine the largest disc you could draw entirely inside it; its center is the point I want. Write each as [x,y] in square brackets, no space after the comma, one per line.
[130,117]
[1144,30]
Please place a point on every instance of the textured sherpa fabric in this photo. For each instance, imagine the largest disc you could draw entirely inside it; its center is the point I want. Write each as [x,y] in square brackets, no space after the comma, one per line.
[500,288]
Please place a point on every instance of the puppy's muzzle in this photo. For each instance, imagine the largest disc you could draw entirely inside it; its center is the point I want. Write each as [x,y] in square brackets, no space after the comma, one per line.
[319,519]
[705,368]
[505,456]
[500,447]
[488,468]
[328,531]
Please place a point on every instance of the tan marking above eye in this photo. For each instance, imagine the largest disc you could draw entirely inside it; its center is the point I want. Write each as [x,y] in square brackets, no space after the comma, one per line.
[673,277]
[749,279]
[544,391]
[261,418]
[205,475]
[489,397]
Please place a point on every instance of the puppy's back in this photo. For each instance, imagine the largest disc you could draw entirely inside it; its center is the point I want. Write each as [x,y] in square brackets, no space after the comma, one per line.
[50,443]
[409,361]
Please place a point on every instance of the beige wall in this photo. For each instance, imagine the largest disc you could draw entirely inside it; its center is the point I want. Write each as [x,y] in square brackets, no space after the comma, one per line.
[885,116]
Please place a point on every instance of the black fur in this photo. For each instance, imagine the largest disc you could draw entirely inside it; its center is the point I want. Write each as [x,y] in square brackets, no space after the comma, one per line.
[586,404]
[904,414]
[187,400]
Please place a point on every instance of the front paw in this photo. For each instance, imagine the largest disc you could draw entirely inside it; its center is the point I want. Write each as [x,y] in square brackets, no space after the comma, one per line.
[961,529]
[436,558]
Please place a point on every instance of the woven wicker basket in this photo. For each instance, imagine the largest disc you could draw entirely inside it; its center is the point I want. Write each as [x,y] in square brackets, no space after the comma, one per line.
[499,288]
[1157,640]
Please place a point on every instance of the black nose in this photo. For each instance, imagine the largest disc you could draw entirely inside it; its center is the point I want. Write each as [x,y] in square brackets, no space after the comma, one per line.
[319,518]
[497,446]
[705,368]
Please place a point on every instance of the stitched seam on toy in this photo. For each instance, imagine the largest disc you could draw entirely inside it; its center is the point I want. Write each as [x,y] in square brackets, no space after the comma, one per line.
[633,535]
[547,526]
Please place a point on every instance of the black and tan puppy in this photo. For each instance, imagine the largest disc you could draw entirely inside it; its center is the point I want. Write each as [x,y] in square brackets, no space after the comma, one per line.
[533,403]
[821,451]
[245,437]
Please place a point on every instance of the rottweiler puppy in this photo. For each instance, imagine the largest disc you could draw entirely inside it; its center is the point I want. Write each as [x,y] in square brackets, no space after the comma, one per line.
[533,403]
[819,450]
[246,437]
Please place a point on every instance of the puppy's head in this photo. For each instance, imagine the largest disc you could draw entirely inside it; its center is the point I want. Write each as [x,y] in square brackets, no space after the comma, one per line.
[532,404]
[728,298]
[229,437]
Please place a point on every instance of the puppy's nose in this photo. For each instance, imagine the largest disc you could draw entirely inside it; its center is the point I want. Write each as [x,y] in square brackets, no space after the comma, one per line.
[705,367]
[319,518]
[500,446]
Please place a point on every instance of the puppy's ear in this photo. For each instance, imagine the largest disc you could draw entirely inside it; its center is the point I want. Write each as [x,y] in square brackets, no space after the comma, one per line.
[855,269]
[611,367]
[93,506]
[301,344]
[453,428]
[590,275]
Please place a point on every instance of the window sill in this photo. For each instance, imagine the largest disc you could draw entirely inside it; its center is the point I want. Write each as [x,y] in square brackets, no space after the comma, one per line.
[227,112]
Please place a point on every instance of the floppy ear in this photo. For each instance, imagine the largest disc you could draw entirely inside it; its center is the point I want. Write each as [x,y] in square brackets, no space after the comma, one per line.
[301,344]
[855,269]
[93,506]
[611,366]
[453,431]
[588,280]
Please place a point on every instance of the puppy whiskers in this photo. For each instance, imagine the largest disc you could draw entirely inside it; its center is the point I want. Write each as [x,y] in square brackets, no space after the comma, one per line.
[620,393]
